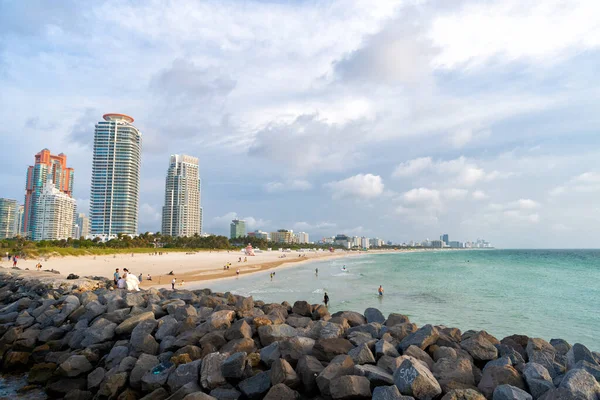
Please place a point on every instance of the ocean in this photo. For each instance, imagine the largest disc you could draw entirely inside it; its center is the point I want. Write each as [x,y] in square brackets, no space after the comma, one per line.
[539,293]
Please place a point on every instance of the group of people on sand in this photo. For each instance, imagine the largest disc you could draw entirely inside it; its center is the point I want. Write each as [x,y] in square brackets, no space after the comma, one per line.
[245,259]
[128,280]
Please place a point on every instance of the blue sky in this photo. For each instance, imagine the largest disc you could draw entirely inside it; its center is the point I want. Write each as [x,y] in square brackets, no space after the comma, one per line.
[396,119]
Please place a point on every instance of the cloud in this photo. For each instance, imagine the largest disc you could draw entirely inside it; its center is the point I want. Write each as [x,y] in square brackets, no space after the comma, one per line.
[317,227]
[455,194]
[365,186]
[479,195]
[413,167]
[222,222]
[587,182]
[423,198]
[294,185]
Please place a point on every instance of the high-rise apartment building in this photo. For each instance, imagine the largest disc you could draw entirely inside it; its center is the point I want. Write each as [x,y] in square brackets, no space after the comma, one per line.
[364,242]
[8,218]
[83,223]
[115,192]
[19,222]
[53,214]
[283,236]
[237,229]
[444,238]
[259,234]
[182,213]
[47,167]
[301,237]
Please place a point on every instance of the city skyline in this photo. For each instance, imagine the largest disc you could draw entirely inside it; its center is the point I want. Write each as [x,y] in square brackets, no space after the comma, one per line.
[382,118]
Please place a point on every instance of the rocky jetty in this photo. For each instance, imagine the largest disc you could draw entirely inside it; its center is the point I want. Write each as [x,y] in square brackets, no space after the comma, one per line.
[79,339]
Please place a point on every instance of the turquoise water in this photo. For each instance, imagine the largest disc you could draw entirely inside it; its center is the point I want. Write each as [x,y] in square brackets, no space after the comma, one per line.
[540,293]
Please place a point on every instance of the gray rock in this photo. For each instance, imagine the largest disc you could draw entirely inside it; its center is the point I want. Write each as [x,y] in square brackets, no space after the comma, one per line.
[152,381]
[396,319]
[298,322]
[143,365]
[112,385]
[340,365]
[238,330]
[233,367]
[419,354]
[325,330]
[246,345]
[499,362]
[270,353]
[281,392]
[211,375]
[50,333]
[422,338]
[507,392]
[507,351]
[167,326]
[77,394]
[561,346]
[389,393]
[282,372]
[463,394]
[189,389]
[100,331]
[197,396]
[308,369]
[354,318]
[541,352]
[350,387]
[225,394]
[328,349]
[158,394]
[272,333]
[401,331]
[480,348]
[95,377]
[389,364]
[255,387]
[294,348]
[593,369]
[374,315]
[579,353]
[130,323]
[538,379]
[495,376]
[414,379]
[362,355]
[377,376]
[220,320]
[116,355]
[581,384]
[184,374]
[141,337]
[74,366]
[385,348]
[454,370]
[302,308]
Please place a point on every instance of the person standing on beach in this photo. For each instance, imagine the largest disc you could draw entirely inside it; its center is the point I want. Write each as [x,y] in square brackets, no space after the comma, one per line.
[116,276]
[326,300]
[316,271]
[173,283]
[149,277]
[15,260]
[140,278]
[380,290]
[237,272]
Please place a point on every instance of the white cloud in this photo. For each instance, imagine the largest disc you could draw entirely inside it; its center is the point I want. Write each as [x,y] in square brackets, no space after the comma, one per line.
[587,182]
[222,223]
[455,194]
[366,186]
[413,167]
[319,226]
[294,185]
[479,195]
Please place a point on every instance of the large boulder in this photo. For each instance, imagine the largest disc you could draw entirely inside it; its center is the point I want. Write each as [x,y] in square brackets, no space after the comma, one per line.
[422,338]
[130,323]
[143,364]
[353,318]
[374,315]
[282,372]
[419,354]
[396,319]
[293,348]
[220,320]
[141,337]
[302,308]
[211,372]
[350,387]
[541,352]
[328,349]
[100,331]
[308,369]
[256,386]
[581,384]
[538,379]
[75,366]
[463,394]
[325,330]
[167,326]
[240,329]
[339,366]
[362,355]
[270,353]
[480,348]
[389,393]
[156,377]
[579,353]
[414,379]
[377,376]
[385,348]
[281,392]
[499,375]
[272,333]
[508,392]
[112,385]
[234,365]
[454,370]
[183,374]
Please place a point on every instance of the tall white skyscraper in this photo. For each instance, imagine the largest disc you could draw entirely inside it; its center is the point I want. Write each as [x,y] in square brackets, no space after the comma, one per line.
[83,222]
[8,218]
[182,213]
[115,193]
[54,214]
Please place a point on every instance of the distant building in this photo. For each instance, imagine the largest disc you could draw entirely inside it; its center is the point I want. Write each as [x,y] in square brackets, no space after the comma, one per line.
[456,245]
[9,211]
[364,242]
[47,167]
[444,238]
[115,188]
[301,237]
[375,242]
[283,236]
[343,240]
[182,214]
[259,234]
[20,215]
[54,214]
[237,229]
[437,244]
[83,224]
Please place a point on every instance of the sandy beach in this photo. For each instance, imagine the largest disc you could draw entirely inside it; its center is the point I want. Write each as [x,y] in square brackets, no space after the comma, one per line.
[188,267]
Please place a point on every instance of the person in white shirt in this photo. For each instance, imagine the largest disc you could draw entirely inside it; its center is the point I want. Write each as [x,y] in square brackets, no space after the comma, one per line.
[173,283]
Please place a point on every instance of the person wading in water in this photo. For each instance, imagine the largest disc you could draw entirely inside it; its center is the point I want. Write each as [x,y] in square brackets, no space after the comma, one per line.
[326,300]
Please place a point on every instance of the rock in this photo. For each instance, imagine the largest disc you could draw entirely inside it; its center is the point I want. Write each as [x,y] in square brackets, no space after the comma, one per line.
[281,392]
[113,385]
[579,353]
[507,392]
[389,393]
[358,338]
[538,379]
[95,378]
[143,365]
[495,376]
[79,395]
[189,388]
[158,394]
[179,359]
[234,365]
[116,355]
[16,360]
[167,326]
[401,331]
[374,315]
[270,353]
[506,351]
[244,303]
[75,366]
[377,376]
[256,386]
[294,348]
[561,346]
[282,372]
[499,362]
[480,348]
[272,333]
[41,373]
[389,364]
[328,349]
[362,355]
[325,330]
[220,319]
[340,365]
[422,338]
[581,384]
[302,308]
[463,394]
[350,387]
[63,386]
[130,323]
[320,312]
[541,352]
[419,354]
[414,379]
[193,352]
[198,396]
[225,394]
[100,331]
[141,337]
[246,345]
[384,348]
[298,322]
[593,369]
[152,381]
[239,330]
[449,370]
[211,373]
[353,318]
[396,319]
[183,374]
[50,333]
[308,369]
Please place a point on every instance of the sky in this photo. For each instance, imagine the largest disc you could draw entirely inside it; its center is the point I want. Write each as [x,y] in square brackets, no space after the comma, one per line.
[400,120]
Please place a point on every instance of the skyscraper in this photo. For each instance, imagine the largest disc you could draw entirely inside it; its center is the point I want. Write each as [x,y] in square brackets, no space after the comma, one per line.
[8,218]
[19,222]
[182,214]
[444,238]
[53,214]
[47,167]
[115,192]
[237,228]
[83,222]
